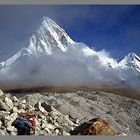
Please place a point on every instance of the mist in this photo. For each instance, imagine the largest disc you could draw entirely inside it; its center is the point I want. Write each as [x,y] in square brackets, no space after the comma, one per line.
[79,65]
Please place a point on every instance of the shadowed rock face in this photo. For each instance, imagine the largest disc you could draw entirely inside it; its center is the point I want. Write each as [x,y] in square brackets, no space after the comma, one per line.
[95,126]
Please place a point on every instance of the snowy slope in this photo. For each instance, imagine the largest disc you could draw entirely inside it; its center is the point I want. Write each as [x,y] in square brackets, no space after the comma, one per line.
[131,60]
[48,38]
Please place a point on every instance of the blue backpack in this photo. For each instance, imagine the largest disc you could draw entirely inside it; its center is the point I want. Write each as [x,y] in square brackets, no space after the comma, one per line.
[21,122]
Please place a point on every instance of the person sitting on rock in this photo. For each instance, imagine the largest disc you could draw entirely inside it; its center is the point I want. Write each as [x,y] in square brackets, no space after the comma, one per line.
[23,125]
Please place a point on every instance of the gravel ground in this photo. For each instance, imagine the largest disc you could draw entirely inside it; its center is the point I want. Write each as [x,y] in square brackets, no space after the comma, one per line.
[121,112]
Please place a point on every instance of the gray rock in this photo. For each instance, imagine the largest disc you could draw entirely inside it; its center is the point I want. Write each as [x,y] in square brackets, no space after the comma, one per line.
[43,124]
[10,128]
[77,121]
[49,126]
[56,131]
[15,109]
[39,107]
[60,119]
[68,128]
[13,133]
[48,131]
[3,106]
[34,98]
[14,99]
[3,128]
[23,101]
[13,116]
[1,92]
[21,106]
[138,121]
[30,108]
[16,104]
[55,117]
[69,121]
[3,132]
[64,133]
[65,121]
[0,124]
[56,124]
[50,119]
[60,130]
[47,107]
[8,102]
[42,133]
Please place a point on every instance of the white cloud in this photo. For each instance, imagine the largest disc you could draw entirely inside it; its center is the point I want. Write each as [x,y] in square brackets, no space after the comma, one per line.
[78,66]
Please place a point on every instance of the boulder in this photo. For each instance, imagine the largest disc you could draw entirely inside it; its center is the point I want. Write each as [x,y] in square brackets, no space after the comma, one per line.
[0,124]
[70,123]
[64,133]
[14,109]
[1,92]
[65,121]
[43,124]
[77,121]
[47,107]
[48,130]
[122,134]
[3,132]
[13,116]
[60,119]
[14,99]
[95,126]
[3,106]
[13,133]
[23,101]
[49,126]
[39,107]
[138,122]
[68,128]
[10,128]
[21,111]
[42,133]
[8,102]
[16,104]
[50,119]
[56,131]
[30,108]
[9,119]
[56,124]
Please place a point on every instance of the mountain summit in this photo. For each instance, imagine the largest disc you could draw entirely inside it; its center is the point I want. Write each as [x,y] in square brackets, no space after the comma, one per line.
[49,37]
[131,60]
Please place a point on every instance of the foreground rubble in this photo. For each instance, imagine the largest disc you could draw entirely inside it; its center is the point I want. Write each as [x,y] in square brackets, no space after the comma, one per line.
[49,121]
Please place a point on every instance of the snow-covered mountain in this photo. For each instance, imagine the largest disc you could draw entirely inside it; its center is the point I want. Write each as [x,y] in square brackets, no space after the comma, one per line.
[52,57]
[131,60]
[48,38]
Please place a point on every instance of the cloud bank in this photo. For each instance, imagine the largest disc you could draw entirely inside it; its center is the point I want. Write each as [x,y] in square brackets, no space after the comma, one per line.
[77,66]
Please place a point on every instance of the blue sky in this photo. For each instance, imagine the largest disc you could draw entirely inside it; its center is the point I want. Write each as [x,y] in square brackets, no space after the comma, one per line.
[115,28]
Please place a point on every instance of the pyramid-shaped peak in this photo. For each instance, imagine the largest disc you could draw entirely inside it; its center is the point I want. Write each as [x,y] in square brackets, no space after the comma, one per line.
[49,37]
[131,60]
[47,19]
[132,56]
[48,22]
